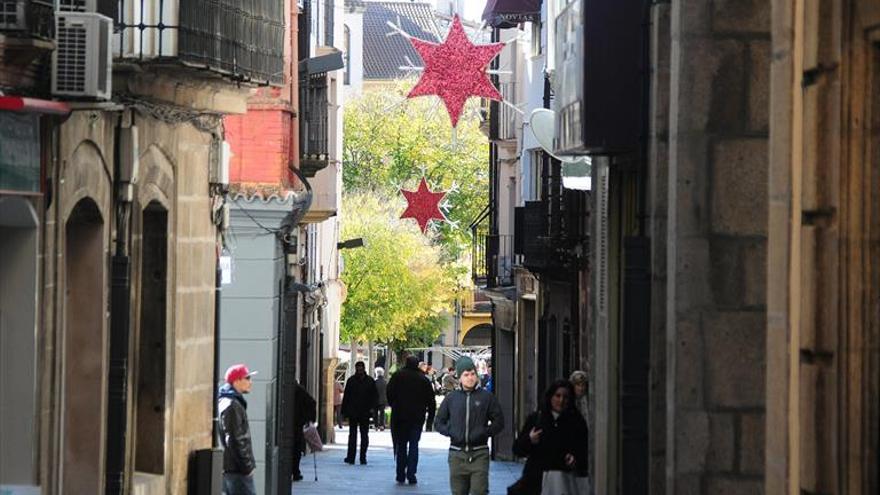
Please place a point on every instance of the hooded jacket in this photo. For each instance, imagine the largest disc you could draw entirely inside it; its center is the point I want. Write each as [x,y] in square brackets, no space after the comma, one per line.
[469,418]
[235,433]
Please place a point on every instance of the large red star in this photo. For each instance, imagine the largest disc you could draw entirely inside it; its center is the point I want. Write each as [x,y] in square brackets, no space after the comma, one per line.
[423,205]
[455,70]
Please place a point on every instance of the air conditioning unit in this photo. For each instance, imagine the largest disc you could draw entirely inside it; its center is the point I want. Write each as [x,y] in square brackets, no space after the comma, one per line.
[76,5]
[82,63]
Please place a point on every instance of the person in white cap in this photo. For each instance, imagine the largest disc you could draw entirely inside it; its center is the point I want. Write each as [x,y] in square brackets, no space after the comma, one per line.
[235,433]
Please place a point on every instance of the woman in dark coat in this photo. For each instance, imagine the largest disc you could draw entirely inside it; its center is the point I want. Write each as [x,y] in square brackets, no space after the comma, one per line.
[553,439]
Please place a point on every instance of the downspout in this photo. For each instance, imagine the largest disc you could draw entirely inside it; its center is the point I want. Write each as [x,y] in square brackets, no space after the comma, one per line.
[120,327]
[288,337]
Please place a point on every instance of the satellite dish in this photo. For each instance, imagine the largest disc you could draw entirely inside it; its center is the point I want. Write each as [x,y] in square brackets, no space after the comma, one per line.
[542,123]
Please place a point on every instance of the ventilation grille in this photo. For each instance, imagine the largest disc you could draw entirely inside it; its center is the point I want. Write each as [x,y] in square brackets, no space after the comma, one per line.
[72,52]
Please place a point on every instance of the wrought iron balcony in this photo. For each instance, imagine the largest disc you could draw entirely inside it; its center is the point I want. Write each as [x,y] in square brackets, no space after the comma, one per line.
[492,255]
[27,18]
[315,124]
[240,39]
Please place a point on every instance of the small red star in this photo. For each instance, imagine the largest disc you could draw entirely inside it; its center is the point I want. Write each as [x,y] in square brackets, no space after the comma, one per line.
[455,70]
[423,205]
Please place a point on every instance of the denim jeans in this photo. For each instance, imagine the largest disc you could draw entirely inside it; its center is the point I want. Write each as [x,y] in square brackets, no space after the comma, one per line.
[406,445]
[238,484]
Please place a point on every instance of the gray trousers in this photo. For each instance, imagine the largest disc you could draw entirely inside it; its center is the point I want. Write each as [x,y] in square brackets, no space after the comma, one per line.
[469,472]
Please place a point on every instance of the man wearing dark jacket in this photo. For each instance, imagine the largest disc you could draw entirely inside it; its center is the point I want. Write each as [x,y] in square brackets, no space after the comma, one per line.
[304,412]
[469,416]
[235,433]
[411,397]
[358,401]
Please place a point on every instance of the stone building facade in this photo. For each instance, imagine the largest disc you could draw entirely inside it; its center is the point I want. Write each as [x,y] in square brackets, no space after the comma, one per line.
[757,190]
[116,221]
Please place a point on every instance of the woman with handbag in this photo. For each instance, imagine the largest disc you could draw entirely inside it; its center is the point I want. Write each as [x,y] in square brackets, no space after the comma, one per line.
[555,441]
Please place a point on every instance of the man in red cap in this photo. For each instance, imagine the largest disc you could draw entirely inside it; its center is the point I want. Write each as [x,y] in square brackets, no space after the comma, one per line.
[235,433]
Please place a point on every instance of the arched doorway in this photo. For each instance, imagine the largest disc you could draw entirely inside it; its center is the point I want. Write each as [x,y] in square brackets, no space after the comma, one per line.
[18,341]
[84,344]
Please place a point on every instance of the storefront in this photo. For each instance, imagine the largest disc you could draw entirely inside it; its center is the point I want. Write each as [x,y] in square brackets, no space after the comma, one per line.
[23,132]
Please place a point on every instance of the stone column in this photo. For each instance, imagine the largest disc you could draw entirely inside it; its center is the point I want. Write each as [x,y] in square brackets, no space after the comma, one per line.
[716,259]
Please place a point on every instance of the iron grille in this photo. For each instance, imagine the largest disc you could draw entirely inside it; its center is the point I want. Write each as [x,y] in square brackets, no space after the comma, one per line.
[29,17]
[315,124]
[492,255]
[243,39]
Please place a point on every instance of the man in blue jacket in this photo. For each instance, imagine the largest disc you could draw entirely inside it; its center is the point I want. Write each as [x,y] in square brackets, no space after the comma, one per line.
[469,416]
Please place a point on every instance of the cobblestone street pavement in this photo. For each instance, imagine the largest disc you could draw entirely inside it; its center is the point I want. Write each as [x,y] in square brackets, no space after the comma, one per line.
[377,476]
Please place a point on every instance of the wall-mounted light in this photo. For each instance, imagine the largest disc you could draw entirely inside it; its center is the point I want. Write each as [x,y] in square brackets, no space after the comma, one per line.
[350,243]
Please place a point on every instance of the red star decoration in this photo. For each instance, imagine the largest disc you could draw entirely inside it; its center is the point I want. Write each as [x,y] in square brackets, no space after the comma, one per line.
[455,70]
[423,205]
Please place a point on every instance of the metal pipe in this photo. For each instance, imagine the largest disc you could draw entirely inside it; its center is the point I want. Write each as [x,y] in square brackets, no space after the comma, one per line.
[218,292]
[120,327]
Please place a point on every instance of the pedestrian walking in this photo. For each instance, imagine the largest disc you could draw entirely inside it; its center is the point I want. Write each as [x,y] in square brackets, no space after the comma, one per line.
[469,416]
[579,381]
[449,381]
[337,403]
[235,433]
[412,399]
[381,386]
[555,440]
[304,412]
[358,402]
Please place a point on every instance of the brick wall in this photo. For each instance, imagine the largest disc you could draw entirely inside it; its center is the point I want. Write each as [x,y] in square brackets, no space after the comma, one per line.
[260,142]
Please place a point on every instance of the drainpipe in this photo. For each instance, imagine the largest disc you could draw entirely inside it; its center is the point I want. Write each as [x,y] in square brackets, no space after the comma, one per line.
[120,310]
[218,291]
[287,339]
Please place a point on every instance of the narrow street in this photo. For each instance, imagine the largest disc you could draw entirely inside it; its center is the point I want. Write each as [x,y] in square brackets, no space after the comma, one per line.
[377,476]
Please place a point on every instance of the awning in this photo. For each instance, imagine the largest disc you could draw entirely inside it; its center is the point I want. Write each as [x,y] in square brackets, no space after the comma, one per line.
[33,105]
[508,13]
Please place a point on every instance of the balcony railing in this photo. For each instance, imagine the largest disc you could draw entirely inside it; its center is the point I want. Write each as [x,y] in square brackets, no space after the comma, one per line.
[493,256]
[315,124]
[242,39]
[33,18]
